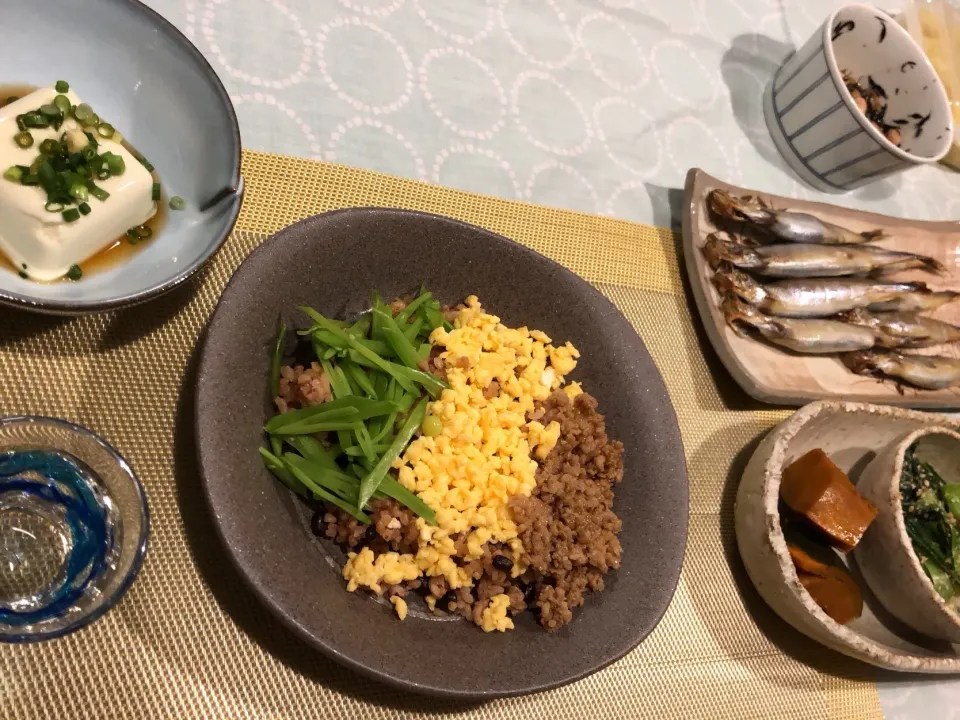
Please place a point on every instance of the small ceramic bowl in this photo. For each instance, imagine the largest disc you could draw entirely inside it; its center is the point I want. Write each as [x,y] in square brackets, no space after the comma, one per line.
[156,88]
[885,554]
[851,434]
[73,528]
[815,123]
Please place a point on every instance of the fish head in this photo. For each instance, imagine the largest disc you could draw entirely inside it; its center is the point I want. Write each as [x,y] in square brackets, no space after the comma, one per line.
[739,315]
[730,281]
[720,248]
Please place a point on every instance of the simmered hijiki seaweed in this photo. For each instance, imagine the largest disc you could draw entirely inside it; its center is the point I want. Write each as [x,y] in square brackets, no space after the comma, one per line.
[931,510]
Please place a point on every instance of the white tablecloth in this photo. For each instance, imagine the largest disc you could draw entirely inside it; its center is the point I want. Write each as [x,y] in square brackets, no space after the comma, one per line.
[593,105]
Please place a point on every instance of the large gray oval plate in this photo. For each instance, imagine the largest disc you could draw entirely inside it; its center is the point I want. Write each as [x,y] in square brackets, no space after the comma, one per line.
[331,262]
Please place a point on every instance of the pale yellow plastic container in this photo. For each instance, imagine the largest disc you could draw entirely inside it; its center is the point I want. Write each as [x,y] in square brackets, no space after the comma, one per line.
[935,25]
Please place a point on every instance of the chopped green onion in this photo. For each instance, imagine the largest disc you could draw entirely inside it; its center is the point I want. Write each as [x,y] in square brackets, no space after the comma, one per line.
[11,99]
[23,139]
[35,120]
[49,146]
[82,112]
[371,482]
[98,192]
[50,110]
[71,215]
[155,192]
[132,236]
[13,173]
[54,207]
[84,208]
[145,163]
[89,153]
[103,174]
[177,203]
[144,232]
[20,125]
[62,103]
[79,191]
[30,179]
[115,163]
[62,86]
[105,130]
[74,273]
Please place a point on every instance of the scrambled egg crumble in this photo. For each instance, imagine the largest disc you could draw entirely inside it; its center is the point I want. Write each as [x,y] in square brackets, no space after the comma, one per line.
[400,605]
[486,454]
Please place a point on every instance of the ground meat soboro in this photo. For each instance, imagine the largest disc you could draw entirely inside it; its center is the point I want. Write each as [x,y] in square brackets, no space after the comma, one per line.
[567,526]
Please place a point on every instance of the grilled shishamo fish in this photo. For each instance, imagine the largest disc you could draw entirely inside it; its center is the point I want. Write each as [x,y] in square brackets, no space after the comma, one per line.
[785,225]
[812,336]
[903,329]
[929,372]
[823,297]
[806,260]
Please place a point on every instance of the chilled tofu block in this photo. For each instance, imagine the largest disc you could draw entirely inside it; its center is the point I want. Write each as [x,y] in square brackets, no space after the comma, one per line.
[42,243]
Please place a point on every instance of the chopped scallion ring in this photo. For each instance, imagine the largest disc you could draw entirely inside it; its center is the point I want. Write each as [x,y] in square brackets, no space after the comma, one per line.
[177,203]
[98,192]
[79,191]
[62,86]
[49,146]
[71,215]
[105,130]
[62,102]
[155,192]
[74,273]
[82,112]
[13,174]
[84,208]
[54,207]
[35,120]
[23,139]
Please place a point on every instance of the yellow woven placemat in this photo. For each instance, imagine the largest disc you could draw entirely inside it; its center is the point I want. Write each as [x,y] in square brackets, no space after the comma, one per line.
[189,641]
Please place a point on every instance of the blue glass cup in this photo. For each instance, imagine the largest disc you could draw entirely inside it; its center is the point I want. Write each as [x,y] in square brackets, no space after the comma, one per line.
[73,528]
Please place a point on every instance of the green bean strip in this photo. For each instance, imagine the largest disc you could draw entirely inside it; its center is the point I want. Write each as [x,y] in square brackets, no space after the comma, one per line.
[323,494]
[398,341]
[361,328]
[279,470]
[391,487]
[361,350]
[276,360]
[309,428]
[313,450]
[412,330]
[376,303]
[359,377]
[412,306]
[365,442]
[357,408]
[371,482]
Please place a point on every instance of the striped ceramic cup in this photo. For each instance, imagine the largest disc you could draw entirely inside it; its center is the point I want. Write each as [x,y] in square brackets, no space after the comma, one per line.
[818,125]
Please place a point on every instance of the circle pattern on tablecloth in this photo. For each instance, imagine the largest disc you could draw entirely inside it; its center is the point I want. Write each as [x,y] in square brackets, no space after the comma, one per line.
[446,75]
[344,44]
[596,106]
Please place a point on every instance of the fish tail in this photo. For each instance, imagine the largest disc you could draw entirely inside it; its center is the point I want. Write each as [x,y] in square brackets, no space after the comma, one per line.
[932,265]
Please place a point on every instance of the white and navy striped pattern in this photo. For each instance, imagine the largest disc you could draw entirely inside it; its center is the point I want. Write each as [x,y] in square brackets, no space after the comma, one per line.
[816,131]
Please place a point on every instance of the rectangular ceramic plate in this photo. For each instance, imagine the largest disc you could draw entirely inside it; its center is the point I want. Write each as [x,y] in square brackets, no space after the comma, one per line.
[777,376]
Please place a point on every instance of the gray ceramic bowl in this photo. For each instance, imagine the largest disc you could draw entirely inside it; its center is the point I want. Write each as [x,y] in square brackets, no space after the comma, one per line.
[885,554]
[156,88]
[332,262]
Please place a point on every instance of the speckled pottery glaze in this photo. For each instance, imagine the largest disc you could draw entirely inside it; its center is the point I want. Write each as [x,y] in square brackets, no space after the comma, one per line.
[852,434]
[885,555]
[332,262]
